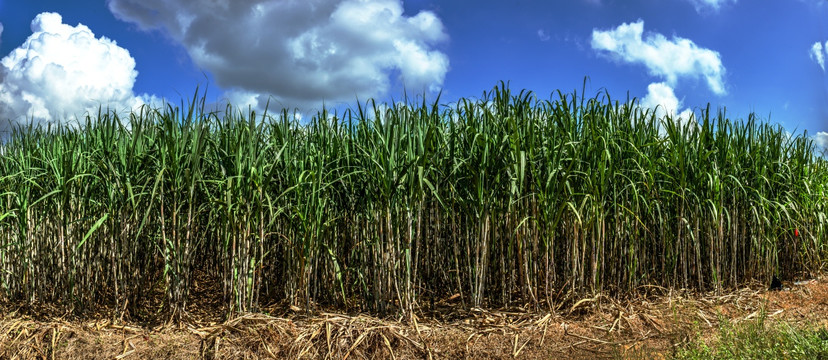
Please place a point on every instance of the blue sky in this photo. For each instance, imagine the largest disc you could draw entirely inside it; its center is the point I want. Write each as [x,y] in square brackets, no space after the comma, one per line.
[763,56]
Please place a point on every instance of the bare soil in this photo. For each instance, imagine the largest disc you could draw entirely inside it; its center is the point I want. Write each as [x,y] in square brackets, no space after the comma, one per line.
[650,325]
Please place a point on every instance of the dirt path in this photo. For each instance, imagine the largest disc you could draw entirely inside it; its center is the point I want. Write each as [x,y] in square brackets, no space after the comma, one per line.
[648,326]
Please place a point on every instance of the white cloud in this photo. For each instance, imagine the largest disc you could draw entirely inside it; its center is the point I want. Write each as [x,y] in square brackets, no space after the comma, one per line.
[661,98]
[243,99]
[818,55]
[62,72]
[542,35]
[821,140]
[301,51]
[246,101]
[670,59]
[706,5]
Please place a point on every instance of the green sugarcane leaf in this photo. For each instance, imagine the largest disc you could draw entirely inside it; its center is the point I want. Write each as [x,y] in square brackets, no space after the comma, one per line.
[92,230]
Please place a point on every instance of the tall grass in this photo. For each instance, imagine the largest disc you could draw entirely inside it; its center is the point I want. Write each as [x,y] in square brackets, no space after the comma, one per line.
[506,199]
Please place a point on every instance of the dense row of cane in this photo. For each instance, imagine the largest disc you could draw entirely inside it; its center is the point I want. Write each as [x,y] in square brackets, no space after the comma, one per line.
[502,199]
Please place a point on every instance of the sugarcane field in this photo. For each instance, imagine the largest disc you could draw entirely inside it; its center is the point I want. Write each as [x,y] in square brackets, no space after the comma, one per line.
[413,179]
[502,216]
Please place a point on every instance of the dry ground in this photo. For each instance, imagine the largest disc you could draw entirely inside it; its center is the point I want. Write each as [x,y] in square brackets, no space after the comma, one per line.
[650,325]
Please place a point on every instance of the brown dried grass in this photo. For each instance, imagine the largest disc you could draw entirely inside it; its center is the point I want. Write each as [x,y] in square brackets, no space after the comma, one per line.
[648,325]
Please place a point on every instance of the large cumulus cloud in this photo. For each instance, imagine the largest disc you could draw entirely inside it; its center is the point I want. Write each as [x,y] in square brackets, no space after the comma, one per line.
[304,51]
[669,59]
[63,72]
[663,100]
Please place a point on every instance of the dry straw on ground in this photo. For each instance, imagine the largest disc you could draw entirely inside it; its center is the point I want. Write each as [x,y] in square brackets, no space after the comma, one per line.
[649,325]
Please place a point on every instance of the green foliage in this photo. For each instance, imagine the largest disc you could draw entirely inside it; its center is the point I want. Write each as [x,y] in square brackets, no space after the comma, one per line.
[757,340]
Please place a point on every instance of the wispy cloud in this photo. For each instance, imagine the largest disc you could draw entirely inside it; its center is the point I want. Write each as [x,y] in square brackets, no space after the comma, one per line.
[669,59]
[709,5]
[818,52]
[542,35]
[815,3]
